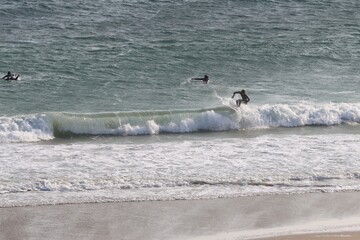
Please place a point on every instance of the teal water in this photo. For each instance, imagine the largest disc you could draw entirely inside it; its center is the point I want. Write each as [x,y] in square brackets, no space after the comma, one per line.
[105,72]
[117,55]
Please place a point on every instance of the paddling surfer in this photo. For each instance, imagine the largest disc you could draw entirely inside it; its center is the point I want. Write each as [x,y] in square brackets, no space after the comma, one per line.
[9,76]
[205,79]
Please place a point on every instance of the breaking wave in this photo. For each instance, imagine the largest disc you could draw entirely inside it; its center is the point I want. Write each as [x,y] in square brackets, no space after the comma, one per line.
[46,126]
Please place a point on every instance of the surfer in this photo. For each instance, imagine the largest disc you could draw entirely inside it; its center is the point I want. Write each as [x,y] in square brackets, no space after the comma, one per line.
[9,76]
[245,99]
[205,79]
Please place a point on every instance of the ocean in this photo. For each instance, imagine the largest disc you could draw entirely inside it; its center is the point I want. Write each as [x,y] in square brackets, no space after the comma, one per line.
[106,109]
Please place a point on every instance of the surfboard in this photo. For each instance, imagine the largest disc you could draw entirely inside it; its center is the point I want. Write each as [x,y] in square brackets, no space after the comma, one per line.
[233,105]
[14,77]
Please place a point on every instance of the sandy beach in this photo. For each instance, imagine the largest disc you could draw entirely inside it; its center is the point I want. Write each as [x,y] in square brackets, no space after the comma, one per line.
[325,216]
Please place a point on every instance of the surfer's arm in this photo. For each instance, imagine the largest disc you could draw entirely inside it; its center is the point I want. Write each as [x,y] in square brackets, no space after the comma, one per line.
[234,94]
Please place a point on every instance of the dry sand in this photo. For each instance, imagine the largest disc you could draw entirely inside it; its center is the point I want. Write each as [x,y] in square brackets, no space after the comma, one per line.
[230,219]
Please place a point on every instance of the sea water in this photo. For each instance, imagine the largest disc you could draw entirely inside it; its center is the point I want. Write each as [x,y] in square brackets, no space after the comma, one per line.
[106,109]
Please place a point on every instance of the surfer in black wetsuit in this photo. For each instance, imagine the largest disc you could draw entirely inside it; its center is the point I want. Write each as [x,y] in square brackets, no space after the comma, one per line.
[205,79]
[9,76]
[245,99]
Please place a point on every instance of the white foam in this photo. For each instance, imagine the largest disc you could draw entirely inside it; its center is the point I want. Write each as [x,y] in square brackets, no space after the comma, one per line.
[179,169]
[285,115]
[25,128]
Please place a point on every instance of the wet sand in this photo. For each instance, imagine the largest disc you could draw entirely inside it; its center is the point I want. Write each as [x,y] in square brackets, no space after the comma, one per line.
[326,216]
[322,236]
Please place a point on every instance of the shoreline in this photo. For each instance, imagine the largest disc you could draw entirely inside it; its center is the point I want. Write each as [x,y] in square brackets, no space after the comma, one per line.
[259,217]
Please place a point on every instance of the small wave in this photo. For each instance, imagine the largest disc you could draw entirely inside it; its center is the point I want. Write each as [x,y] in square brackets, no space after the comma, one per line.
[225,118]
[145,122]
[213,119]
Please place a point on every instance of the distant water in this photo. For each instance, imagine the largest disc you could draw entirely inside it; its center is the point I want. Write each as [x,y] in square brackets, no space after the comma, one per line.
[106,109]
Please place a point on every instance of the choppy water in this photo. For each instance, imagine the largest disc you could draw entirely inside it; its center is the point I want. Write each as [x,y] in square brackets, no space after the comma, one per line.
[106,109]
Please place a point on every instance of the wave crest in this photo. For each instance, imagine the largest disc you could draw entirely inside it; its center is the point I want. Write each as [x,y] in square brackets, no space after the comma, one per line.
[58,124]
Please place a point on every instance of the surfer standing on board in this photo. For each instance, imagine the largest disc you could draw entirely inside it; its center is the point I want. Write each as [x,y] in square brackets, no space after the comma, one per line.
[245,99]
[205,79]
[9,76]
